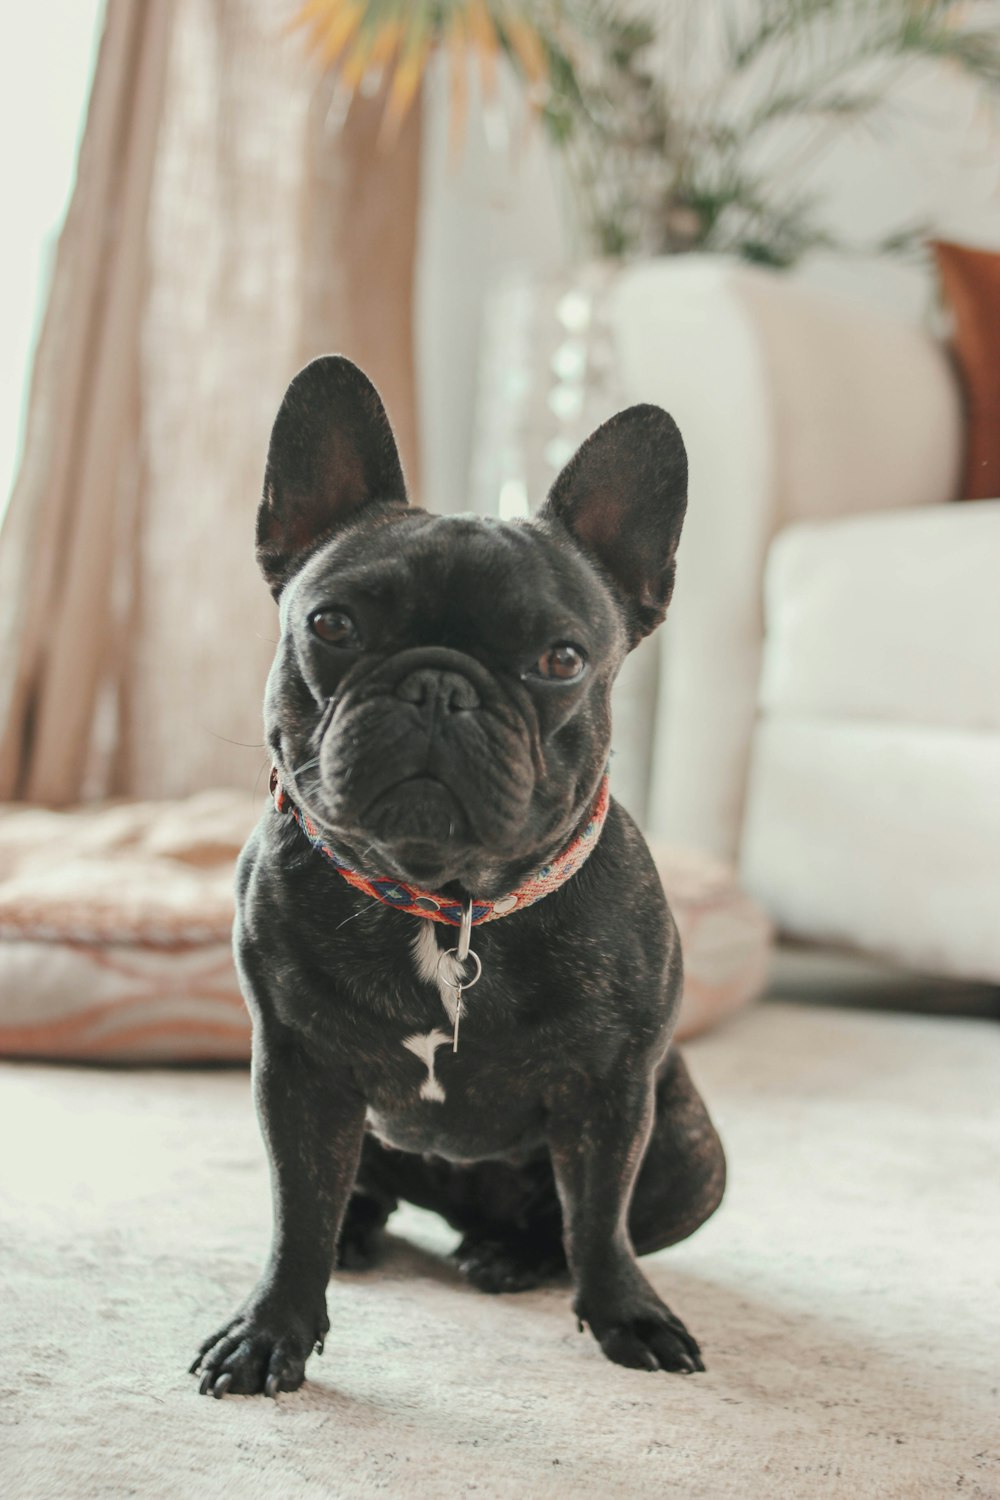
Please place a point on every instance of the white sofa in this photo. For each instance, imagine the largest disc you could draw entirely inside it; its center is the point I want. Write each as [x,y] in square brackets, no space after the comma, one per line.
[873,805]
[829,706]
[824,702]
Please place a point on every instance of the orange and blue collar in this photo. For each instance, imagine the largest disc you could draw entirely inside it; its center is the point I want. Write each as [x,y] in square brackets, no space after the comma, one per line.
[437,908]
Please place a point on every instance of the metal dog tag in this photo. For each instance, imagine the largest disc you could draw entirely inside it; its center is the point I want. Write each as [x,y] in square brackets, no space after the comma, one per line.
[463,984]
[462,952]
[465,932]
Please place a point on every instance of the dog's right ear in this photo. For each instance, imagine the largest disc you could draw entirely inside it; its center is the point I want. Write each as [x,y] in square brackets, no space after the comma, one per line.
[332,452]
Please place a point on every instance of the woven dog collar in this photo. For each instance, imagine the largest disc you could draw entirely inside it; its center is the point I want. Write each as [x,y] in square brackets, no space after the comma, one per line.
[417,903]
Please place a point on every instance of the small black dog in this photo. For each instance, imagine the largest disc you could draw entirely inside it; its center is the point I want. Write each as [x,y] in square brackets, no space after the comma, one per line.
[438,717]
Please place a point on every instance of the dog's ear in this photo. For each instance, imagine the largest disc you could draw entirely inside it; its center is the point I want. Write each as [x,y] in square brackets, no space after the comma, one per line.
[622,496]
[332,452]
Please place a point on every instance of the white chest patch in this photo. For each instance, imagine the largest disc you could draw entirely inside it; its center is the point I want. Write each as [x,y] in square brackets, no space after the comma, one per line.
[433,967]
[425,1045]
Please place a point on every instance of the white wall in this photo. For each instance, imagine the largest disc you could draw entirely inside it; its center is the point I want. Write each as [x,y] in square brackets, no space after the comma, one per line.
[46,63]
[939,161]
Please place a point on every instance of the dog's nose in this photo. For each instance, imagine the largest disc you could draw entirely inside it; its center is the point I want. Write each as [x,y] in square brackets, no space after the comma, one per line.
[428,688]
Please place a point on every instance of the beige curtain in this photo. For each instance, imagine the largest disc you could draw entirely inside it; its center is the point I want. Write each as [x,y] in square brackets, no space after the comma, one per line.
[56,565]
[226,226]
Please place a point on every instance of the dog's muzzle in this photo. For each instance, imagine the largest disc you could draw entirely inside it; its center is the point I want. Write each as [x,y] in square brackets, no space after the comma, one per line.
[429,747]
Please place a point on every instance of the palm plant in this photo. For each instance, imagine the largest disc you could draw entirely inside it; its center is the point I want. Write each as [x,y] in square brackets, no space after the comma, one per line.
[699,131]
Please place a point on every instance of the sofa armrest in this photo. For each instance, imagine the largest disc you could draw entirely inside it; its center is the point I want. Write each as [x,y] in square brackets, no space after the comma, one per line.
[793,406]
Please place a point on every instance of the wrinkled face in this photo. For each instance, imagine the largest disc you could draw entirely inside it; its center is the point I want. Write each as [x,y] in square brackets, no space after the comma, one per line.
[439,702]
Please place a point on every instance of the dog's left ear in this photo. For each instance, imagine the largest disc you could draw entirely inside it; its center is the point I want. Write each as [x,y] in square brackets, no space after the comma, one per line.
[332,452]
[622,496]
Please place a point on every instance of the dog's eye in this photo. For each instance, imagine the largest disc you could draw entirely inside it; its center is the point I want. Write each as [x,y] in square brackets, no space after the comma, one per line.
[335,627]
[560,663]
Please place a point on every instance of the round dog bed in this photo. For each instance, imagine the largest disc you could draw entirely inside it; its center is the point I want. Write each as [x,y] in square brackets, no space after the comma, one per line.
[115,921]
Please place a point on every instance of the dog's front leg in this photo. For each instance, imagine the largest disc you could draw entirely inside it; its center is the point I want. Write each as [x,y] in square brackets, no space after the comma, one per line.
[312,1119]
[598,1132]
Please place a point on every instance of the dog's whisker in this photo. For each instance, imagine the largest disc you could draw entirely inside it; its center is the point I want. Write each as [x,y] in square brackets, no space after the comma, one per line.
[308,765]
[367,907]
[264,766]
[242,744]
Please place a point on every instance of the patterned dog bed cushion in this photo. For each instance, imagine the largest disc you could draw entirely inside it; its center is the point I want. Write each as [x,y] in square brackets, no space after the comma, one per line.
[726,937]
[115,920]
[115,931]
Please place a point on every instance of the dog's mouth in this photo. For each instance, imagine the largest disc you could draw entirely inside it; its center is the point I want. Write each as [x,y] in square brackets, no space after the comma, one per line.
[418,808]
[418,826]
[417,830]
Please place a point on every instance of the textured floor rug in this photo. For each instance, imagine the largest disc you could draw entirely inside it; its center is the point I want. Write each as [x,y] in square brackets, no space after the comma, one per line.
[845,1297]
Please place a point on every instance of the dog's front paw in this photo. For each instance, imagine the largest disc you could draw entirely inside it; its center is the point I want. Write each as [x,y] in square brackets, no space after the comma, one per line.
[264,1348]
[642,1335]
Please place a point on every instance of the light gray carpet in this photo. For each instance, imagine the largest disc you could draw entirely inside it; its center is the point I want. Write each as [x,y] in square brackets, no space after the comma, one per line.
[845,1297]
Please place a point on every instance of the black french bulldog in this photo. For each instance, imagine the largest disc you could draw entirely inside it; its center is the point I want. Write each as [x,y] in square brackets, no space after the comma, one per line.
[438,717]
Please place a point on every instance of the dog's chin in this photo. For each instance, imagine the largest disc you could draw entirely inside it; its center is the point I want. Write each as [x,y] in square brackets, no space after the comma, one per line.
[421,832]
[422,866]
[418,831]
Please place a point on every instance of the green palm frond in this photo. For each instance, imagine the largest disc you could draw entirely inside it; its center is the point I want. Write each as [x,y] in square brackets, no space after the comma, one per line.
[654,164]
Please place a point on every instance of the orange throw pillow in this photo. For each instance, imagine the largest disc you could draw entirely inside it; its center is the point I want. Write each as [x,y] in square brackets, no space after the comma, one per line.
[970,280]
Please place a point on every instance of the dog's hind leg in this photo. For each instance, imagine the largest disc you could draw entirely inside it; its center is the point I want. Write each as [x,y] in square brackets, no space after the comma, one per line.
[371,1203]
[683,1173]
[385,1175]
[508,1215]
[680,1184]
[516,1242]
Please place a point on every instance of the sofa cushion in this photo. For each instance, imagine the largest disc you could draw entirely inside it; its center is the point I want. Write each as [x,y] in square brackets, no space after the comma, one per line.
[878,836]
[873,813]
[892,617]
